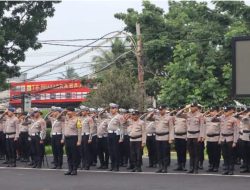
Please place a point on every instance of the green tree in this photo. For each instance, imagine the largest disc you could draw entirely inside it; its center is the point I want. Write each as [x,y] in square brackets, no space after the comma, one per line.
[117,86]
[188,49]
[70,74]
[20,22]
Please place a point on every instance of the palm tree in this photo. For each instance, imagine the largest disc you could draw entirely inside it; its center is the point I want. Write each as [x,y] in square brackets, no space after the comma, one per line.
[70,74]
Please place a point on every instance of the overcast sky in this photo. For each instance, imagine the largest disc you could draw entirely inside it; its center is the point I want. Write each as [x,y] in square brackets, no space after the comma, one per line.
[79,19]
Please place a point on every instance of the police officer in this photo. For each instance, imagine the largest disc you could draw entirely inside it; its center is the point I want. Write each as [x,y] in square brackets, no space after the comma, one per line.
[180,131]
[137,136]
[37,133]
[195,134]
[102,138]
[57,123]
[2,135]
[87,135]
[115,135]
[228,138]
[124,146]
[12,134]
[212,139]
[164,129]
[151,142]
[245,140]
[93,144]
[72,138]
[23,139]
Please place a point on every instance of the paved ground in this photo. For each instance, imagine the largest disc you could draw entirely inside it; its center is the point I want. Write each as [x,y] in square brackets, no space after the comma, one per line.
[24,178]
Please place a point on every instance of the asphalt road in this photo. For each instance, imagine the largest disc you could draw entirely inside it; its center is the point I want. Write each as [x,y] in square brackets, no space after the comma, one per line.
[27,179]
[24,178]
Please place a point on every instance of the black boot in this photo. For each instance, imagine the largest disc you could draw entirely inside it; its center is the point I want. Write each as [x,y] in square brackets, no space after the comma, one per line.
[160,169]
[179,167]
[184,167]
[69,170]
[200,165]
[165,168]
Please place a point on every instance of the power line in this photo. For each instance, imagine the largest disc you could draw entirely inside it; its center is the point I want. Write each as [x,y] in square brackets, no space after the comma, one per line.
[71,52]
[72,45]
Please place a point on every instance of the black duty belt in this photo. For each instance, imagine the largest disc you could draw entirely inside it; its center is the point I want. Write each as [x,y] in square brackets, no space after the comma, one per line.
[180,134]
[10,133]
[136,137]
[227,135]
[213,135]
[246,131]
[193,132]
[162,134]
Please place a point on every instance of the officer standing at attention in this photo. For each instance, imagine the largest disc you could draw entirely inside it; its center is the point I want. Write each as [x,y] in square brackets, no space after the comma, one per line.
[164,129]
[212,139]
[137,134]
[245,140]
[12,134]
[195,134]
[72,138]
[2,135]
[151,142]
[24,139]
[57,124]
[115,135]
[37,132]
[228,138]
[180,131]
[88,126]
[102,138]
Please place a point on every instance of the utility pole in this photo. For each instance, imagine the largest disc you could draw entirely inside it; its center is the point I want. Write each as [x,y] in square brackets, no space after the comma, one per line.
[139,56]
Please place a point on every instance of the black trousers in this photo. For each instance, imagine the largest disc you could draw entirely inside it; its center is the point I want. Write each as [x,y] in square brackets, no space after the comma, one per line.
[163,152]
[181,150]
[193,147]
[85,151]
[37,150]
[11,150]
[228,155]
[93,150]
[57,150]
[102,149]
[201,152]
[71,151]
[24,145]
[124,148]
[151,146]
[113,144]
[2,144]
[245,147]
[214,154]
[136,153]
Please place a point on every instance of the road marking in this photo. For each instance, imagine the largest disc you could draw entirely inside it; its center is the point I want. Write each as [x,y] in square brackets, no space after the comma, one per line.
[124,172]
